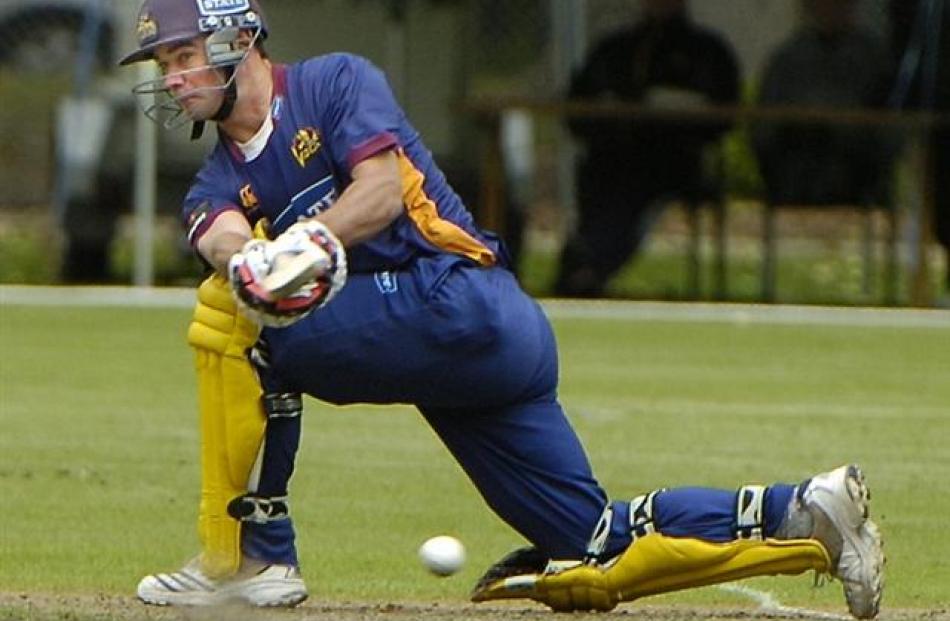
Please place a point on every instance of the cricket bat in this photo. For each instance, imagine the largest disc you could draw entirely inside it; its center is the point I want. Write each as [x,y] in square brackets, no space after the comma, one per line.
[290,272]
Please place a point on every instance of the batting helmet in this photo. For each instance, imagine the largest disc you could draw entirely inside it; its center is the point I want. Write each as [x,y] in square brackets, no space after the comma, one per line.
[163,22]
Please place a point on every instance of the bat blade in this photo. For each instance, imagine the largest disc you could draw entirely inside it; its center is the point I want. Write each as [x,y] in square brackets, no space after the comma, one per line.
[289,274]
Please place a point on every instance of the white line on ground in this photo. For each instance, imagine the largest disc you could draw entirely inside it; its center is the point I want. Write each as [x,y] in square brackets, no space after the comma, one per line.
[770,605]
[150,297]
[557,309]
[746,313]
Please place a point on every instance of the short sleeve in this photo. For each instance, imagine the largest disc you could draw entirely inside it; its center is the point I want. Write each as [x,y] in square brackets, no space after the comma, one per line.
[214,191]
[363,118]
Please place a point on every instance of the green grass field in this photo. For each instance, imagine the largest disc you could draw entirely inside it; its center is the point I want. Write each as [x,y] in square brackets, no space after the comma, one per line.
[98,447]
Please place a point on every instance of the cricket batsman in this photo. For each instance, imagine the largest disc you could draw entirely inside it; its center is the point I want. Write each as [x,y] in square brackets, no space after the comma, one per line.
[345,267]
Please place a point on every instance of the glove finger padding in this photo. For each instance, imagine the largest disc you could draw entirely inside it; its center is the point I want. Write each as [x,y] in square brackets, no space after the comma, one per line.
[279,282]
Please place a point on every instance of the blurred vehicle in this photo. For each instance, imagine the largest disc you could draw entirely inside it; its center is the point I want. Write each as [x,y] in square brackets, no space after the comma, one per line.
[62,55]
[43,35]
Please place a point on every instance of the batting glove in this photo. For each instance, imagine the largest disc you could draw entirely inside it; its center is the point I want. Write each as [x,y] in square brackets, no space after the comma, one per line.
[279,282]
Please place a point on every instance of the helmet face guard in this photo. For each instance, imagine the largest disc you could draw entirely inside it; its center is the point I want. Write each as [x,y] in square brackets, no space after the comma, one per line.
[224,54]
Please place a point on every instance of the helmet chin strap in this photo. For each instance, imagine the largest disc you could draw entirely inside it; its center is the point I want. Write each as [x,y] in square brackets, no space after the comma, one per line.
[227,104]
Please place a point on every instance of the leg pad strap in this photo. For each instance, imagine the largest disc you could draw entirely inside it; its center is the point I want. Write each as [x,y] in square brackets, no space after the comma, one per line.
[260,510]
[282,404]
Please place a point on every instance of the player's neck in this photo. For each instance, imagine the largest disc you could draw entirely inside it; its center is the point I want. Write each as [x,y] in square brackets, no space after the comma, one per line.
[255,90]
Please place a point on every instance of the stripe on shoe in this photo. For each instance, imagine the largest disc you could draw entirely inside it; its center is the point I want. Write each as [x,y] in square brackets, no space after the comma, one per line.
[182,581]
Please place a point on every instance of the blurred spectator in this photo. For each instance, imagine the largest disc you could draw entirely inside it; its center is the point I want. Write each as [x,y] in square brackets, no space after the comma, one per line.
[827,62]
[666,61]
[920,34]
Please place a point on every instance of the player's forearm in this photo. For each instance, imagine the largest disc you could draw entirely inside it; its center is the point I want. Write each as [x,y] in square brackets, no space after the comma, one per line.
[363,211]
[369,204]
[223,249]
[227,235]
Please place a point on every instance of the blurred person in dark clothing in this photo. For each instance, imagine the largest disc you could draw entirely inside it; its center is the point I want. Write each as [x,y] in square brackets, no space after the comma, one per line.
[664,61]
[918,38]
[827,62]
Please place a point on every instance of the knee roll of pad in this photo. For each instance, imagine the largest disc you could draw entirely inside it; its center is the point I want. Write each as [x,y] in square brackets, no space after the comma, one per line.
[217,326]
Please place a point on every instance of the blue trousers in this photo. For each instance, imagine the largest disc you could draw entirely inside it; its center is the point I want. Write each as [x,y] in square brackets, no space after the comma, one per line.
[478,358]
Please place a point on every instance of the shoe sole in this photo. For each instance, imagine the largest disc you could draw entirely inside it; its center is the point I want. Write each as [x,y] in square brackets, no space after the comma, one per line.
[262,596]
[267,593]
[289,600]
[156,591]
[285,601]
[850,516]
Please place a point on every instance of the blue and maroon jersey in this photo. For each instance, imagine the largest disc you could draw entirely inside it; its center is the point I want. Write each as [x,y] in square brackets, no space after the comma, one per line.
[330,113]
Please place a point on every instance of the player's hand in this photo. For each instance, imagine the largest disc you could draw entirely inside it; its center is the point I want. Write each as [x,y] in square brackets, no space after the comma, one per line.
[281,281]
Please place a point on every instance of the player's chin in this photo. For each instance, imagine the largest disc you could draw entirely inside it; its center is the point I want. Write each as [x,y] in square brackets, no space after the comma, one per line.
[197,107]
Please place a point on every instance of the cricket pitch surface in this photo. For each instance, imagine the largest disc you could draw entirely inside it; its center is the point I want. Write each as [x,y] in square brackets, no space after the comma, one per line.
[46,607]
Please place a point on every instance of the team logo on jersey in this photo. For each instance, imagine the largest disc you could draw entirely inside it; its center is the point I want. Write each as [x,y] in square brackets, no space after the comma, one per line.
[248,198]
[306,144]
[386,282]
[146,28]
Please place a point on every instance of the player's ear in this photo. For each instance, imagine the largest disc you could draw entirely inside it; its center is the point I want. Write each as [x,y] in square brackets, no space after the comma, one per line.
[245,38]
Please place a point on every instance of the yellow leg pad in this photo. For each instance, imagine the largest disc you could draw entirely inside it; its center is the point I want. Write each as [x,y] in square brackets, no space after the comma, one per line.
[658,564]
[232,419]
[664,564]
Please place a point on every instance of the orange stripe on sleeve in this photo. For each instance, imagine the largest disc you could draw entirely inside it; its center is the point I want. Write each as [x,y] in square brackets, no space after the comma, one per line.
[424,214]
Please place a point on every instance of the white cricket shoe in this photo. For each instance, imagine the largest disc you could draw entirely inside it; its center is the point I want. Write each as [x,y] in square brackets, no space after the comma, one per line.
[842,497]
[256,584]
[268,586]
[188,586]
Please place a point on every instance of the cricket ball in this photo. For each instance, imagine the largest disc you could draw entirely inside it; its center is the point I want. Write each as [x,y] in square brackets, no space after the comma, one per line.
[442,555]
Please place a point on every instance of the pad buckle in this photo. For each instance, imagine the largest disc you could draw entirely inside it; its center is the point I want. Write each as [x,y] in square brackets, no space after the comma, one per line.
[750,518]
[598,540]
[641,515]
[282,404]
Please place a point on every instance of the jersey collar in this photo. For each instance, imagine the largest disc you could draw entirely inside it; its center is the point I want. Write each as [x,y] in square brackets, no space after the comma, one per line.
[278,101]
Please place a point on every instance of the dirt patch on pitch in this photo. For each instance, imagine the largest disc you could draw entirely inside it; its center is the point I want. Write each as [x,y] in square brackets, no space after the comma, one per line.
[34,607]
